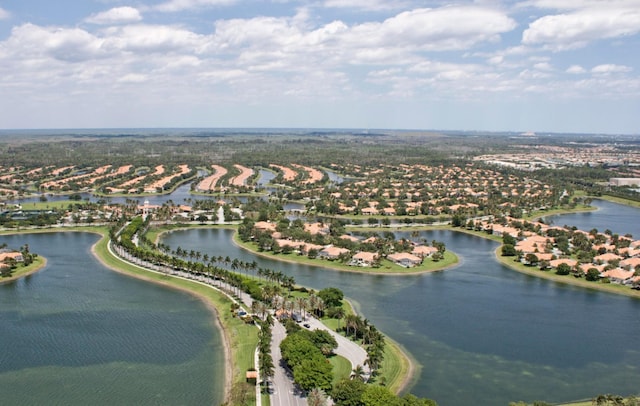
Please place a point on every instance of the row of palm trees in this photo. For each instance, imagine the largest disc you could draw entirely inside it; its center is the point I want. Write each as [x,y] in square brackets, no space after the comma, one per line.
[191,261]
[265,361]
[372,339]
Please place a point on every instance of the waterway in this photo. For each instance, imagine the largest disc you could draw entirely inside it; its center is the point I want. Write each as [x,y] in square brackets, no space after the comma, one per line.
[76,333]
[484,334]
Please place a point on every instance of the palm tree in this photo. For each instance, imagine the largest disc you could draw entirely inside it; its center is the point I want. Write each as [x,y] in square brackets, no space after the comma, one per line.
[302,305]
[317,397]
[358,373]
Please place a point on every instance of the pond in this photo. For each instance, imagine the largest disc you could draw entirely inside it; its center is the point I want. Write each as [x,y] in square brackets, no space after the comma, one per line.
[76,333]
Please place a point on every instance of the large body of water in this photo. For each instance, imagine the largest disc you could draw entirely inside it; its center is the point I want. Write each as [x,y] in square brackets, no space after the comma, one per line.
[76,333]
[483,334]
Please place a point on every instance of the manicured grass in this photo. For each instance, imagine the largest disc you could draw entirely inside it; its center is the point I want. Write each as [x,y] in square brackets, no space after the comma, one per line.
[387,267]
[568,279]
[341,368]
[61,204]
[396,369]
[21,270]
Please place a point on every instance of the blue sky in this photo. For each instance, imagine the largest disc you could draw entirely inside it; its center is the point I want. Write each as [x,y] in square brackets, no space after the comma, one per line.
[486,65]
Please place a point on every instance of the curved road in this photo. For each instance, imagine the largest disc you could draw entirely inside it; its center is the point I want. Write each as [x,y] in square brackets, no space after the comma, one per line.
[283,391]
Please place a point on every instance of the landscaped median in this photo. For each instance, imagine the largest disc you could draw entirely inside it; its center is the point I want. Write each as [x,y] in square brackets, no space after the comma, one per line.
[240,339]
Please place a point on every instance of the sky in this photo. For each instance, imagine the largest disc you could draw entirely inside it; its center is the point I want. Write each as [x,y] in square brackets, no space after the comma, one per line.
[483,65]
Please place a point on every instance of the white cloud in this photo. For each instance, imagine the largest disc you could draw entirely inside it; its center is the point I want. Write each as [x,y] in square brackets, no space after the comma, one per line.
[575,29]
[172,6]
[576,70]
[543,66]
[373,5]
[65,44]
[118,15]
[446,28]
[4,14]
[607,69]
[143,39]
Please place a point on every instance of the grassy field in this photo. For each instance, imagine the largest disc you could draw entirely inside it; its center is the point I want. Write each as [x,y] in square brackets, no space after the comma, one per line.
[397,369]
[341,368]
[57,205]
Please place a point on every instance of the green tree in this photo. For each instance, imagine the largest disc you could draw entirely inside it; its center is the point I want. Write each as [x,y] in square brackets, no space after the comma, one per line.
[314,372]
[379,396]
[592,274]
[332,297]
[348,392]
[508,250]
[563,269]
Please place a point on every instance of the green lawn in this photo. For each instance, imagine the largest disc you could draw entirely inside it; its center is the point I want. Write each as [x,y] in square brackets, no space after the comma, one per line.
[21,270]
[396,371]
[387,267]
[61,204]
[341,368]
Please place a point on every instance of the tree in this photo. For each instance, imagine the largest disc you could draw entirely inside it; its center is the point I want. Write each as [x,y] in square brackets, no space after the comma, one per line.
[563,269]
[358,373]
[314,372]
[379,396]
[332,297]
[592,275]
[317,397]
[348,392]
[531,259]
[508,250]
[412,400]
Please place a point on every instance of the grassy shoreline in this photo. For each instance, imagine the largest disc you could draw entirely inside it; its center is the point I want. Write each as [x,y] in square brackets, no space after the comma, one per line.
[239,339]
[38,263]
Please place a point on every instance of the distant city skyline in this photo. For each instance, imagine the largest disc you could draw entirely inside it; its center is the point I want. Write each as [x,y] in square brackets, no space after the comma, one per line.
[486,65]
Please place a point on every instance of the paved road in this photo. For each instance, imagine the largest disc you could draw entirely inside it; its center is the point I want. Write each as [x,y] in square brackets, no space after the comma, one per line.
[346,348]
[285,392]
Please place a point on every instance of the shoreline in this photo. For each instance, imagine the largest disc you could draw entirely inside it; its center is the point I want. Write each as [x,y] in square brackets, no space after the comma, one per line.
[243,246]
[169,282]
[36,267]
[567,279]
[215,312]
[410,375]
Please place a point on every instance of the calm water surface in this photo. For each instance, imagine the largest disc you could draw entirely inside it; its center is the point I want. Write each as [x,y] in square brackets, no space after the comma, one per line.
[76,333]
[483,334]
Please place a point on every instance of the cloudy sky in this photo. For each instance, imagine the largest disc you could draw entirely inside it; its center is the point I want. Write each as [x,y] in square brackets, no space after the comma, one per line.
[530,65]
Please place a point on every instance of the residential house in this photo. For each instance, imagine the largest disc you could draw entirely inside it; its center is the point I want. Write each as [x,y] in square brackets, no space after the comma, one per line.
[363,258]
[405,259]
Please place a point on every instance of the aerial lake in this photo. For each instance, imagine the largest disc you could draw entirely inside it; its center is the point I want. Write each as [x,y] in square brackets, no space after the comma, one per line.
[483,334]
[76,333]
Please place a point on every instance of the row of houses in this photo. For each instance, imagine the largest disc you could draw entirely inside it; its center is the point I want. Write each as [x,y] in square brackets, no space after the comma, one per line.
[332,252]
[616,258]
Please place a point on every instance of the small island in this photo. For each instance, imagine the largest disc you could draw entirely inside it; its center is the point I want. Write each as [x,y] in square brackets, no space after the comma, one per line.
[15,264]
